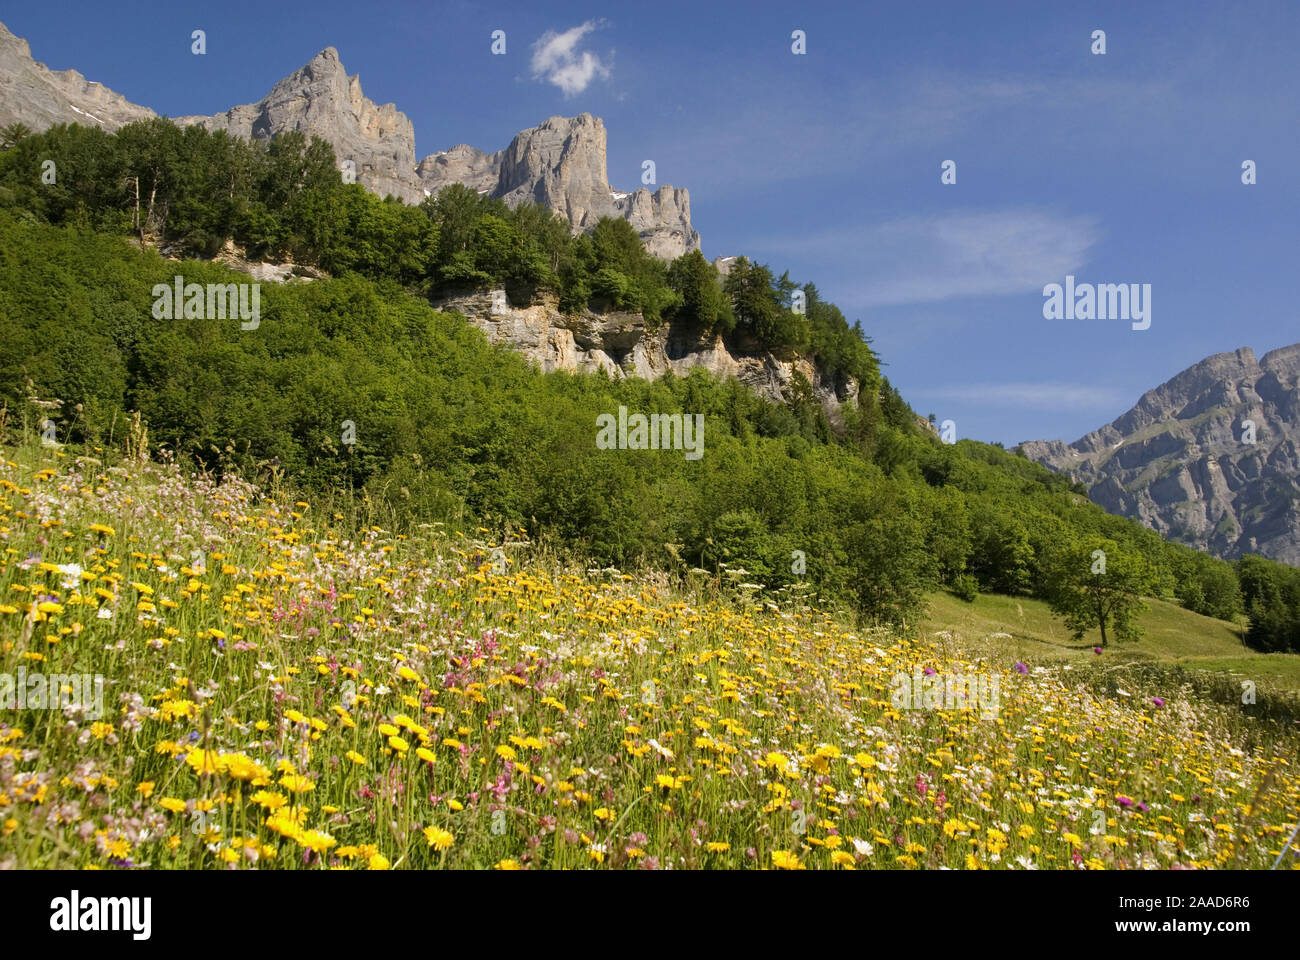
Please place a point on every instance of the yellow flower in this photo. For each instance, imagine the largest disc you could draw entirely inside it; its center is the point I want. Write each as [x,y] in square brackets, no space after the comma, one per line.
[269,800]
[242,768]
[316,840]
[379,862]
[785,860]
[717,847]
[438,838]
[508,865]
[145,788]
[205,761]
[356,758]
[172,804]
[296,784]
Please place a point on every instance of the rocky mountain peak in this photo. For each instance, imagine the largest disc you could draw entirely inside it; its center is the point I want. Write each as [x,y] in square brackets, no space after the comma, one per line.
[559,163]
[39,97]
[321,100]
[1211,457]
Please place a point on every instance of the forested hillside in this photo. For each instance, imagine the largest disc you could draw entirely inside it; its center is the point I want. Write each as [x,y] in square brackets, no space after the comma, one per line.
[447,428]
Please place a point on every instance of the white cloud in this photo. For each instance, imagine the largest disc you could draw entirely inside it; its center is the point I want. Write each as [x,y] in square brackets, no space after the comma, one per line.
[945,257]
[557,59]
[1032,395]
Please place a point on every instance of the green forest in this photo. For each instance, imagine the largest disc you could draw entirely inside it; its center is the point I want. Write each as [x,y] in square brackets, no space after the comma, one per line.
[873,511]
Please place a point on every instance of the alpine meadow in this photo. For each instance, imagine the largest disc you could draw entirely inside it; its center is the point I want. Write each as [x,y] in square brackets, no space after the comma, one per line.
[365,512]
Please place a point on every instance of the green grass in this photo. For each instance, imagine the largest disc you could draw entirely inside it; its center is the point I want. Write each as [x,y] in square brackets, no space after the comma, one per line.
[1171,635]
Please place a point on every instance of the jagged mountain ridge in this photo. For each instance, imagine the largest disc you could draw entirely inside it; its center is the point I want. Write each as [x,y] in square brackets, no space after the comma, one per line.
[560,163]
[32,93]
[1180,460]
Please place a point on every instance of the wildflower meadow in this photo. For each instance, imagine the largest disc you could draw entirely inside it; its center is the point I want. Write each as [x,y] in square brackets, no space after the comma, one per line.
[295,685]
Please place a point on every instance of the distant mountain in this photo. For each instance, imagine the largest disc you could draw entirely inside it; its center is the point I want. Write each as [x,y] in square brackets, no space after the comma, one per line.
[1183,462]
[559,163]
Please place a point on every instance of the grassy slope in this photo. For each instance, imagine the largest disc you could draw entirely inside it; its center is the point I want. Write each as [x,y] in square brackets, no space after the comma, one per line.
[313,694]
[1171,635]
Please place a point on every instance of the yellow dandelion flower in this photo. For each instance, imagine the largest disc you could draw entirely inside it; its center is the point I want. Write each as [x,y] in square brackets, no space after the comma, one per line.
[785,860]
[438,838]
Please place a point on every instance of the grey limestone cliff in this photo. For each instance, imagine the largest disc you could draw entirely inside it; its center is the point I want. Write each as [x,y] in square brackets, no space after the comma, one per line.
[1210,458]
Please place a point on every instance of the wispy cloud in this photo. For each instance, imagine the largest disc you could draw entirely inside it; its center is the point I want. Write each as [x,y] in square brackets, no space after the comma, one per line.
[881,121]
[944,257]
[557,59]
[1033,395]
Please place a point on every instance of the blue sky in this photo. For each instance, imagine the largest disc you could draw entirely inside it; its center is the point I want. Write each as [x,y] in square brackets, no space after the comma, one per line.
[1122,168]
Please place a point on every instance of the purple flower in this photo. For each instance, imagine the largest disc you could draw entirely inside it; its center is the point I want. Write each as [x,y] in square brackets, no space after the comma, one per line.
[1096,650]
[929,671]
[1021,668]
[1124,801]
[1158,701]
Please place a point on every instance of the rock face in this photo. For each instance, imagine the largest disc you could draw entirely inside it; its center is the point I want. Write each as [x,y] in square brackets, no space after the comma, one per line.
[622,345]
[1183,463]
[560,163]
[461,164]
[321,100]
[32,94]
